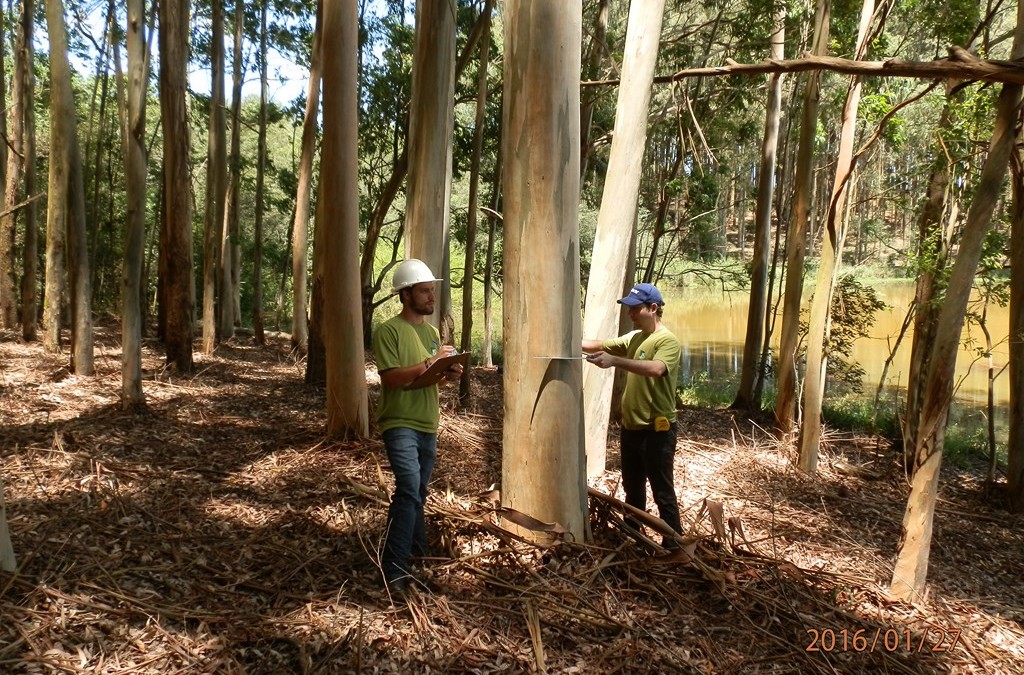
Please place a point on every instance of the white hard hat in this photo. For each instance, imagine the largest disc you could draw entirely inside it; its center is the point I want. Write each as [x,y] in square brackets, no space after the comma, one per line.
[409,273]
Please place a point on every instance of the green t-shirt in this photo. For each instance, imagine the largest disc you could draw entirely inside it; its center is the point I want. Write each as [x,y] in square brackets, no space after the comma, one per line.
[398,344]
[647,398]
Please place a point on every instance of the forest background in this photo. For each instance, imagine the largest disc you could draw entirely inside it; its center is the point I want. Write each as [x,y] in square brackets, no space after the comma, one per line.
[925,195]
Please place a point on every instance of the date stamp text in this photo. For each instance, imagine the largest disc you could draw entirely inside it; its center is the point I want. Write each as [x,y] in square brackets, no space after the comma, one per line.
[932,639]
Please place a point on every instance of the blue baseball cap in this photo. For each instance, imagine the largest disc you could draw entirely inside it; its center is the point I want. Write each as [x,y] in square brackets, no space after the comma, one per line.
[643,294]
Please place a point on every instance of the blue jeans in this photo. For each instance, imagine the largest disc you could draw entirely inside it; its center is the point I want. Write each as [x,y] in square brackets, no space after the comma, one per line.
[649,455]
[411,454]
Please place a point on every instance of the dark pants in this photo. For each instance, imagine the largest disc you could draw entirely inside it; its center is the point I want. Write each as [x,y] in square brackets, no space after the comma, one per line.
[648,455]
[411,454]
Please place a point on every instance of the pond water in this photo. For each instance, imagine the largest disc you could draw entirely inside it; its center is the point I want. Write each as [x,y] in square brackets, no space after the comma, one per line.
[711,327]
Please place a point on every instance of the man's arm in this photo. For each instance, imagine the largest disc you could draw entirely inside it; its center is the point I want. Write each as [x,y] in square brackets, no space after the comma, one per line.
[397,378]
[644,368]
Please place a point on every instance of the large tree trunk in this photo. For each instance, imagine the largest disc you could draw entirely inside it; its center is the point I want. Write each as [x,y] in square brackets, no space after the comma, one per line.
[300,245]
[471,215]
[338,213]
[1015,442]
[830,264]
[796,239]
[66,196]
[911,569]
[25,81]
[176,239]
[758,304]
[617,217]
[431,125]
[216,184]
[543,459]
[261,163]
[135,221]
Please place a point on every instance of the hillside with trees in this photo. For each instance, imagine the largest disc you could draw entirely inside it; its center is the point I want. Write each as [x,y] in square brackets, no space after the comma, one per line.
[203,206]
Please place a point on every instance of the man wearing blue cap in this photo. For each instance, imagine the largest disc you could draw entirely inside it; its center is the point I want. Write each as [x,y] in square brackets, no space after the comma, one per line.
[650,356]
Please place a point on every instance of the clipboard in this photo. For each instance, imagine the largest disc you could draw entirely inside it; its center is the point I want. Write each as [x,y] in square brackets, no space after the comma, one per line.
[435,372]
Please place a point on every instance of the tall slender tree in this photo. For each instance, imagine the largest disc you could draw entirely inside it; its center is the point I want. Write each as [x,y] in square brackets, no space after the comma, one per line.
[616,219]
[830,264]
[431,128]
[214,300]
[1015,440]
[338,221]
[234,195]
[12,190]
[300,247]
[135,222]
[757,307]
[911,569]
[474,191]
[261,166]
[25,82]
[543,462]
[66,192]
[796,238]
[176,237]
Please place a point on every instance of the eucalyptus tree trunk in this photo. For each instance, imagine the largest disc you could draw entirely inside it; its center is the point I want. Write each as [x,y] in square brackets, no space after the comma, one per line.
[830,264]
[911,569]
[493,220]
[8,563]
[934,249]
[300,245]
[12,190]
[471,215]
[214,301]
[617,216]
[232,205]
[66,191]
[96,136]
[135,221]
[758,304]
[25,84]
[261,163]
[431,126]
[386,197]
[338,215]
[1015,442]
[176,239]
[543,462]
[796,240]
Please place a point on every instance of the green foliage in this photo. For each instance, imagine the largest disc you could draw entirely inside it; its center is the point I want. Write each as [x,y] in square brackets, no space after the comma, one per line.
[855,412]
[700,391]
[945,22]
[873,109]
[854,305]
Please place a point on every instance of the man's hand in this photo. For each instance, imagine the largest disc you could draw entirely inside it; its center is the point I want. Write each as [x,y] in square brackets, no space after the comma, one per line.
[602,359]
[454,373]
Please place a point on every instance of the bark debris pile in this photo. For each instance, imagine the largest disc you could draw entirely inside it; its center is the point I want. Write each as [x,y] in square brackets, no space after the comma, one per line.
[220,533]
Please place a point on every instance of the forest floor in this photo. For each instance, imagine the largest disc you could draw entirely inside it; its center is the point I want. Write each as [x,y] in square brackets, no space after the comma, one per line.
[220,533]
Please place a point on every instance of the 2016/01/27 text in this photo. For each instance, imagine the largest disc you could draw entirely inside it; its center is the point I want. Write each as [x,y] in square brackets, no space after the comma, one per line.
[933,639]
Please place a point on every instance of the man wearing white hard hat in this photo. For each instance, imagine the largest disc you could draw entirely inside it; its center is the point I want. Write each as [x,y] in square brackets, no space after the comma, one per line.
[406,346]
[650,356]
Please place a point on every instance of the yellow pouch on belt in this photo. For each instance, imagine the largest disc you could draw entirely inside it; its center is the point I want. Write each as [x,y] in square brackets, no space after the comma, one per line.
[661,424]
